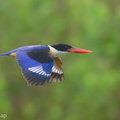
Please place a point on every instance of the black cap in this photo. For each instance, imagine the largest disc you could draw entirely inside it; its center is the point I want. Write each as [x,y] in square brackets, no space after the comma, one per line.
[61,47]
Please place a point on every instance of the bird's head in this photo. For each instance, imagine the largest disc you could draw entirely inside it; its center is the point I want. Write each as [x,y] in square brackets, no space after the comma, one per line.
[64,48]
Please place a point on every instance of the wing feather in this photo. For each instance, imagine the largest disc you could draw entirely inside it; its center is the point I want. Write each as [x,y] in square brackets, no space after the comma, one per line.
[35,72]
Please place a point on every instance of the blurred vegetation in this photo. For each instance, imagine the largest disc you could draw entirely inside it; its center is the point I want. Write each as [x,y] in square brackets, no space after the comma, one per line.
[91,89]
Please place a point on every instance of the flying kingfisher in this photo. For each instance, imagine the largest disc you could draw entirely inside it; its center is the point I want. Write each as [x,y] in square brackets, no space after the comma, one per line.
[40,63]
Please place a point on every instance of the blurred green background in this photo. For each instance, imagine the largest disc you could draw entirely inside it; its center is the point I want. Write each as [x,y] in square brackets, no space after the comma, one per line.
[91,89]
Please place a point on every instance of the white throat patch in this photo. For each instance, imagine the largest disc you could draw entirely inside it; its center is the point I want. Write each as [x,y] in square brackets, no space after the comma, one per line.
[55,52]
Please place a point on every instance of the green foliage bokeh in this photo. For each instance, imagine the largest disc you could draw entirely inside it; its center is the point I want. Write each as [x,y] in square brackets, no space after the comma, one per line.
[91,89]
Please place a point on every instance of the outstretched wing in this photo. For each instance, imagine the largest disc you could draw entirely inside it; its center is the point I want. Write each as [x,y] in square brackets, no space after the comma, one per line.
[36,65]
[57,71]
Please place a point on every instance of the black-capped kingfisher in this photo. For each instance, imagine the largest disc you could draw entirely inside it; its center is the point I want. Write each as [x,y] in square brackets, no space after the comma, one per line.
[40,63]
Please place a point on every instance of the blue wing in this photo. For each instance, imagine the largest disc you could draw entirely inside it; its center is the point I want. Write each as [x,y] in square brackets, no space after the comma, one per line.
[35,70]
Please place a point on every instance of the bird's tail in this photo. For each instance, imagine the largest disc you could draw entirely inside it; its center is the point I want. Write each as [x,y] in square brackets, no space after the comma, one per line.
[5,54]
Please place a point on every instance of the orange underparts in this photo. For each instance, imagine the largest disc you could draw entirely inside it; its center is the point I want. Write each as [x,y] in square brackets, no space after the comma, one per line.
[58,62]
[13,54]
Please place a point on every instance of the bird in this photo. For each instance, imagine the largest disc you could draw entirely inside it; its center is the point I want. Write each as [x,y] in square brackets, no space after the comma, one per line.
[40,64]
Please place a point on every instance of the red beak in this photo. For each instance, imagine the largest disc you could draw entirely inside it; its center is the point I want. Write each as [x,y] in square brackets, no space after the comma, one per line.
[78,50]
